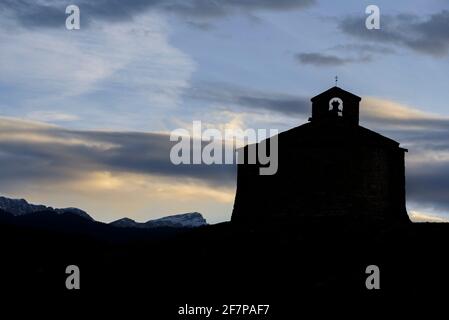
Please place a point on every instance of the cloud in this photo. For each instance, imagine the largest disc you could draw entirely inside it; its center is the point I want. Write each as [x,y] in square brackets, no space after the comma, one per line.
[344,54]
[200,25]
[113,71]
[33,152]
[363,48]
[416,216]
[108,196]
[76,63]
[51,116]
[428,184]
[241,98]
[285,104]
[393,115]
[51,13]
[429,35]
[325,60]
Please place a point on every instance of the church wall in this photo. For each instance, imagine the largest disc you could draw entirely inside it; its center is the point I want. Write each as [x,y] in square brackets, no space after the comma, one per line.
[363,181]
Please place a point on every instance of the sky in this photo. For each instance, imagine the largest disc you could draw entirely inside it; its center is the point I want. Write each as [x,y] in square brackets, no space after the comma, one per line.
[86,115]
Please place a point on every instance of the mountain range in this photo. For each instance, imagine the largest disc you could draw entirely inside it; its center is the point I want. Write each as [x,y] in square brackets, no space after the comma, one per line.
[186,220]
[21,207]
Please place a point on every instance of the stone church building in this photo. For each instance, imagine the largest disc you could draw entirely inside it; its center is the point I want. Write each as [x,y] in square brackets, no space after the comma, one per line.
[330,167]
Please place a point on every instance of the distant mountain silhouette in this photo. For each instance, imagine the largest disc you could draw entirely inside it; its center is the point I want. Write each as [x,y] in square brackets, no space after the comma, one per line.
[185,220]
[22,212]
[18,207]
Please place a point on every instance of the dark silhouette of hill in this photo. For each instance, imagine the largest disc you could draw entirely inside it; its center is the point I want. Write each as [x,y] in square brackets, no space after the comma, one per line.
[222,263]
[72,224]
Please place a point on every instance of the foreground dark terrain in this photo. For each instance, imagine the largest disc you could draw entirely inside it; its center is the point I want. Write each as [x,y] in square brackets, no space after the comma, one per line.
[221,263]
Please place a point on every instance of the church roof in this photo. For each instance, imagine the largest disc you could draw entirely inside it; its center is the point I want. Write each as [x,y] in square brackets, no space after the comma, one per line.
[335,132]
[335,135]
[336,91]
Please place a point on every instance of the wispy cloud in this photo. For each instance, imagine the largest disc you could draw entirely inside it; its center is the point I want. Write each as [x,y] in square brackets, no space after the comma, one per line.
[44,13]
[246,99]
[32,151]
[390,114]
[51,116]
[416,216]
[325,60]
[427,35]
[48,71]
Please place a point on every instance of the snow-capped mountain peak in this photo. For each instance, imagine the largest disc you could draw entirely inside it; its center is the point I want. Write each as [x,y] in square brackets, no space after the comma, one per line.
[18,207]
[125,223]
[185,220]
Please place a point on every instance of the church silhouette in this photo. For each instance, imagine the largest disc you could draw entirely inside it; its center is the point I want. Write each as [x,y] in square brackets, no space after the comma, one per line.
[329,169]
